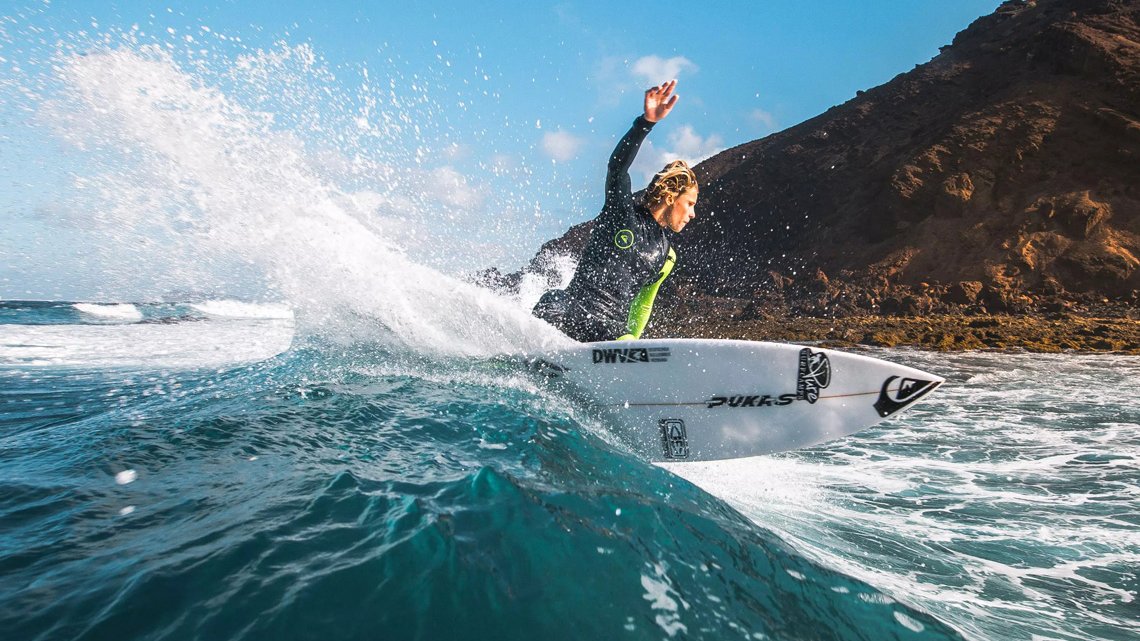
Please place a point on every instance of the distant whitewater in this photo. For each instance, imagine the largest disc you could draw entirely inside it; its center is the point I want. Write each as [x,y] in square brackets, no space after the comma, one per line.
[158,335]
[238,309]
[117,312]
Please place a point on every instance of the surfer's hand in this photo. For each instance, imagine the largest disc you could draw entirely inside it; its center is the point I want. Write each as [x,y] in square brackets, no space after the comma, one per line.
[659,101]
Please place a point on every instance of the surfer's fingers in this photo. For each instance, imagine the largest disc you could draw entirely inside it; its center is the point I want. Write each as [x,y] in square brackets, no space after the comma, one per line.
[663,88]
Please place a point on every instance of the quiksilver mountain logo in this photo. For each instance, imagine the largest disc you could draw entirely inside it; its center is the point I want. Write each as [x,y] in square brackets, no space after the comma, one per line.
[908,391]
[814,375]
[631,355]
[674,440]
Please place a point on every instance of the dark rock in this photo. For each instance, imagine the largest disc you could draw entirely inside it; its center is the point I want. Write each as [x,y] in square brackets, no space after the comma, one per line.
[882,338]
[917,305]
[1056,306]
[891,306]
[963,293]
[1003,301]
[778,281]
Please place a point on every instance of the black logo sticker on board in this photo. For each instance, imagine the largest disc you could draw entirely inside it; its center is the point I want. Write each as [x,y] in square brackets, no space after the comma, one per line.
[631,355]
[546,368]
[674,440]
[814,375]
[909,391]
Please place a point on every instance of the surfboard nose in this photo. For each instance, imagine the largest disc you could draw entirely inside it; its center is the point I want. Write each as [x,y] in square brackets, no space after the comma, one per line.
[900,391]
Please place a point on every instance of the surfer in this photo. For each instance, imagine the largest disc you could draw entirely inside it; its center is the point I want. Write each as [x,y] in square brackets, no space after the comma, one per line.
[628,255]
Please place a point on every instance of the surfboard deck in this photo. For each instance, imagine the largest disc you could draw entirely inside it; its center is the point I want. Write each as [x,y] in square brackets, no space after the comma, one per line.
[706,399]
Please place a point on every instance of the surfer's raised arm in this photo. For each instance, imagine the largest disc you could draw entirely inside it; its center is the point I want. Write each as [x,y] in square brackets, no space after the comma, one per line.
[659,101]
[628,255]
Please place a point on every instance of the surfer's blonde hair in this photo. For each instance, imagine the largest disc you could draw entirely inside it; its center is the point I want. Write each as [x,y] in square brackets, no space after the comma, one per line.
[668,184]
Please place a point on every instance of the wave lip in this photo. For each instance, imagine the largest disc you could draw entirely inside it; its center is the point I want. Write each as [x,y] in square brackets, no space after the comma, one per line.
[238,309]
[123,312]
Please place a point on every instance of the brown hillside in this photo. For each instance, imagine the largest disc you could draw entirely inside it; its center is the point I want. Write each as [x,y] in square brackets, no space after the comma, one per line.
[1011,159]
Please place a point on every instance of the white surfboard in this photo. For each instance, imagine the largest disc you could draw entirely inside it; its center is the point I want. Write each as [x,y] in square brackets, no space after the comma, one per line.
[701,399]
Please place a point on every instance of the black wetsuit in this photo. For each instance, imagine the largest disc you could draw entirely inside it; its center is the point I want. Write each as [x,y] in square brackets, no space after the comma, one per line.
[626,254]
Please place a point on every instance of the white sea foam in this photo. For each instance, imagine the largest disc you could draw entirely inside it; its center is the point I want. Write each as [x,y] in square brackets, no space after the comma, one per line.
[178,345]
[206,176]
[124,312]
[975,493]
[664,599]
[533,286]
[239,309]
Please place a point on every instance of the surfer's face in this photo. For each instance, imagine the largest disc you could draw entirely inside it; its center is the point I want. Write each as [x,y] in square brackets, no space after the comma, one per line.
[682,210]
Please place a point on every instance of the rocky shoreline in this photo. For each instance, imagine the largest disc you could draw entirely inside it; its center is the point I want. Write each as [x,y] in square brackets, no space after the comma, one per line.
[943,332]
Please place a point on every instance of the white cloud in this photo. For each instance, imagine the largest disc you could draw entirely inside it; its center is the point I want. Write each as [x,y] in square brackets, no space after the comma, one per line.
[654,70]
[765,120]
[691,147]
[683,143]
[447,185]
[560,145]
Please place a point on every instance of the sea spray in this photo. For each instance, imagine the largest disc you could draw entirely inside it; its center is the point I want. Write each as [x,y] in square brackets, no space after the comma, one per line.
[200,164]
[200,169]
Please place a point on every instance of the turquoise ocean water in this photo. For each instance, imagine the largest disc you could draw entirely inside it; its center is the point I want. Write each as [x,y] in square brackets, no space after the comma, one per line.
[358,491]
[355,463]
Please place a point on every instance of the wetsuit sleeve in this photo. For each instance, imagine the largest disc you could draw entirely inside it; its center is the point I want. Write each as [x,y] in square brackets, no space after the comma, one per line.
[617,173]
[642,305]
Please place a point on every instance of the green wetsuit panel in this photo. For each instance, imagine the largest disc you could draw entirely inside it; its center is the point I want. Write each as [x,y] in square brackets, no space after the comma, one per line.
[642,305]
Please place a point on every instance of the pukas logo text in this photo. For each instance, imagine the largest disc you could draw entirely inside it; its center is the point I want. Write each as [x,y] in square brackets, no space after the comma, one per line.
[755,400]
[814,374]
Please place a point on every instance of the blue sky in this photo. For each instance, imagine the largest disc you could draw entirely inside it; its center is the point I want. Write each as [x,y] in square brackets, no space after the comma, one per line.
[518,103]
